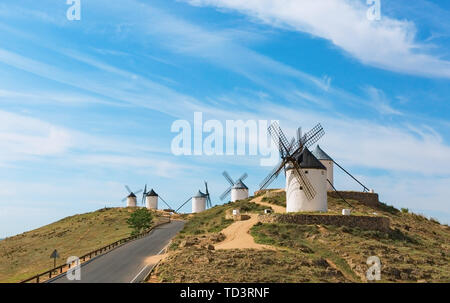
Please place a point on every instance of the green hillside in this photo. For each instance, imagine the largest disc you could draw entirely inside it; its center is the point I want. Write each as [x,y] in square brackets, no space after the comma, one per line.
[417,249]
[27,254]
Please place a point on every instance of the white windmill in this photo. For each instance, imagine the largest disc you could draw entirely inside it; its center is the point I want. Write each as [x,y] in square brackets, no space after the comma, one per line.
[327,161]
[200,201]
[305,175]
[151,199]
[238,189]
[131,198]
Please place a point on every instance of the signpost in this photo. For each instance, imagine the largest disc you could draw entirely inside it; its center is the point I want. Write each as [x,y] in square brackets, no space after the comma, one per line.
[54,255]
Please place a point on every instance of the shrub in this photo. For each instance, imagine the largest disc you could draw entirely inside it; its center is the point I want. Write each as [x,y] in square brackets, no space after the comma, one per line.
[140,220]
[404,210]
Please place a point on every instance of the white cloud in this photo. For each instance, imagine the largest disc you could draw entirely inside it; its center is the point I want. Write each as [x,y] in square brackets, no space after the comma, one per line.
[22,136]
[389,43]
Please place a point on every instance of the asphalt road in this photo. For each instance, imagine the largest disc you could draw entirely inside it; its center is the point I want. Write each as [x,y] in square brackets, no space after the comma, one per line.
[126,263]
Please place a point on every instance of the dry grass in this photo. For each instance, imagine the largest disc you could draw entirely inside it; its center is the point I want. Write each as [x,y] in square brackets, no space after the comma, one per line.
[27,254]
[193,264]
[416,250]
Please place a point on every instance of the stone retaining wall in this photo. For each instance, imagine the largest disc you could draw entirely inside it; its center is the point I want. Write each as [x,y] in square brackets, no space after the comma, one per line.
[369,199]
[363,222]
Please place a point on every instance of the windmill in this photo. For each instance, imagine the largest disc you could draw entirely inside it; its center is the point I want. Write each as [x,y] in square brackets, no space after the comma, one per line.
[131,198]
[299,165]
[151,199]
[238,189]
[200,201]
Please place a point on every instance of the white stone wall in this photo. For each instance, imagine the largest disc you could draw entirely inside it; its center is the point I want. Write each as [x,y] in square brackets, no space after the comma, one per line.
[296,200]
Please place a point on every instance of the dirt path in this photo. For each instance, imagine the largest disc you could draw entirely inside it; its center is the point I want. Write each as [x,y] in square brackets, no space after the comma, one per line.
[276,208]
[237,236]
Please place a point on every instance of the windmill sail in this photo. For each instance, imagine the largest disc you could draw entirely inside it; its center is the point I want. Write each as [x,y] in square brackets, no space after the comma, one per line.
[289,152]
[232,183]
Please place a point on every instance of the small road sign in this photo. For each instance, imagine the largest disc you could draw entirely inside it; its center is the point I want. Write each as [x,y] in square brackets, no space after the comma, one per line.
[54,255]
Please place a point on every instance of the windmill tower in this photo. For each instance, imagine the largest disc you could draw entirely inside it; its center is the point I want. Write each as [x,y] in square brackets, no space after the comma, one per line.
[151,200]
[305,175]
[238,189]
[327,162]
[201,200]
[296,197]
[131,198]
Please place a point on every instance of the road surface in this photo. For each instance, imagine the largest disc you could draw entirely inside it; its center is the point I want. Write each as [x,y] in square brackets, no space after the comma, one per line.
[126,263]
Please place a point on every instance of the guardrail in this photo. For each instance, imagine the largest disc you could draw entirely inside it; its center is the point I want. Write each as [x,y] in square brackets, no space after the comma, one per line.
[65,267]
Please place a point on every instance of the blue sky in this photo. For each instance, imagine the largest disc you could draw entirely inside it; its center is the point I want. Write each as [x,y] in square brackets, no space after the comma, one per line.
[87,106]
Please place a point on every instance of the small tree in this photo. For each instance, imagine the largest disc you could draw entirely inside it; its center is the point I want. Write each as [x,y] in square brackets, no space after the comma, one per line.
[140,220]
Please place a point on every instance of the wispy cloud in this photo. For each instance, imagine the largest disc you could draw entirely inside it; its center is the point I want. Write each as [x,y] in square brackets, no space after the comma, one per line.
[389,44]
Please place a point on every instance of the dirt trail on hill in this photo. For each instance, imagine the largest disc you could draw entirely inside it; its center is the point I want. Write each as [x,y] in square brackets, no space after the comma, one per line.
[237,236]
[276,208]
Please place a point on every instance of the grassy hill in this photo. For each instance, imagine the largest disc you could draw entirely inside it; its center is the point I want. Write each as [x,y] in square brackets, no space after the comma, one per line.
[27,254]
[417,249]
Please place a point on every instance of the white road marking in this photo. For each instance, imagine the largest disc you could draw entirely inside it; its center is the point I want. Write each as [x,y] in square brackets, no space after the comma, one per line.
[137,276]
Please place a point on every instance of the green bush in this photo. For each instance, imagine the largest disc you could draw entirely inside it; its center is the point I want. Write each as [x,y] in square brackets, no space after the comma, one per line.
[140,220]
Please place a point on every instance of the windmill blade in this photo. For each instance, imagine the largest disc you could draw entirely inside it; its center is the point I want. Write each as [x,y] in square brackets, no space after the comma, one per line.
[291,145]
[279,137]
[227,176]
[225,193]
[243,177]
[138,192]
[206,189]
[183,204]
[299,134]
[124,199]
[309,139]
[280,148]
[170,207]
[272,176]
[313,135]
[128,189]
[208,201]
[303,181]
[144,194]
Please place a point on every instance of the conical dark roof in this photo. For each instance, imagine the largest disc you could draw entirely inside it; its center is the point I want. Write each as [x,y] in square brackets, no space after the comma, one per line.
[131,195]
[240,185]
[199,194]
[320,154]
[152,193]
[307,160]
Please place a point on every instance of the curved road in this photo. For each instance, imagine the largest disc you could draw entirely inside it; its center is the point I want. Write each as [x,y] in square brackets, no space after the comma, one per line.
[126,263]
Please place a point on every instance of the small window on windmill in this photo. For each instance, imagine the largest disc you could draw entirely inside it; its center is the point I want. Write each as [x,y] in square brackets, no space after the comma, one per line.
[306,171]
[301,187]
